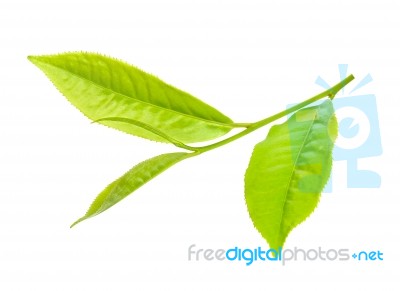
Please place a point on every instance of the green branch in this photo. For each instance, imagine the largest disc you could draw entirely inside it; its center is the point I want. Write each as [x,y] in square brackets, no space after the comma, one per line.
[331,92]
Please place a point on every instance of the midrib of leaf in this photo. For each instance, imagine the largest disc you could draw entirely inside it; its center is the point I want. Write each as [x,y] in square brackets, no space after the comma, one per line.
[228,125]
[150,129]
[293,171]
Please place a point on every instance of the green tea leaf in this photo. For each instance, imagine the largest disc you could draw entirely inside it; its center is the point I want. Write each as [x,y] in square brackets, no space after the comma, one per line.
[100,87]
[288,171]
[131,181]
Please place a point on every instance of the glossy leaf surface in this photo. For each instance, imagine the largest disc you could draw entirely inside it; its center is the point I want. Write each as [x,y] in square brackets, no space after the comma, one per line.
[101,87]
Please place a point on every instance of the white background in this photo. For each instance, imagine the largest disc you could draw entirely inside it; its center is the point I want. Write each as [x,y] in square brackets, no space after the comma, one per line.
[247,58]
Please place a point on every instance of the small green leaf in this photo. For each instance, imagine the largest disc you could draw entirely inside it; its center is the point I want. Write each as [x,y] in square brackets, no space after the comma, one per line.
[100,87]
[288,171]
[131,181]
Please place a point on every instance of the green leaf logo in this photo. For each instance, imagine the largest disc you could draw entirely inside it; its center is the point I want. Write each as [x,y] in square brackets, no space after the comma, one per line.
[287,170]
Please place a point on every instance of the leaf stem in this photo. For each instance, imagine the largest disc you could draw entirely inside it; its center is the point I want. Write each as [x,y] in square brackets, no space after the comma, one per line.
[331,92]
[241,124]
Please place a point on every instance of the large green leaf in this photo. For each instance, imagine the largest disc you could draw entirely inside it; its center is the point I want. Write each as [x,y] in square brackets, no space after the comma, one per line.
[131,181]
[288,171]
[103,87]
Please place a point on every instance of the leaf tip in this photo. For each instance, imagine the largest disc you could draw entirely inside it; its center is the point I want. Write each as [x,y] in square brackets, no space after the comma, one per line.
[31,58]
[77,221]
